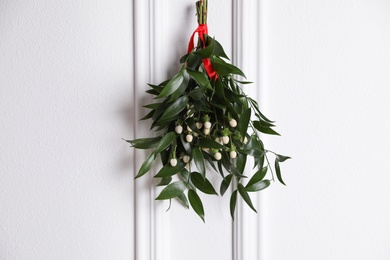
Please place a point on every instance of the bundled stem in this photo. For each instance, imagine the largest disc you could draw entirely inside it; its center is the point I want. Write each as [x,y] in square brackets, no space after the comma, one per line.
[201,10]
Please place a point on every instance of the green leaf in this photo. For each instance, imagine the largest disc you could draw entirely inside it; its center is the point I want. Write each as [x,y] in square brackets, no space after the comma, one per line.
[185,175]
[225,69]
[196,94]
[259,161]
[182,88]
[256,106]
[158,88]
[164,181]
[168,170]
[243,82]
[220,168]
[196,203]
[166,141]
[243,122]
[208,143]
[192,124]
[148,116]
[219,51]
[172,191]
[146,166]
[226,161]
[258,186]
[144,143]
[193,61]
[184,58]
[172,85]
[203,185]
[265,123]
[199,161]
[219,91]
[165,155]
[208,51]
[245,196]
[175,108]
[264,129]
[152,92]
[225,184]
[233,202]
[236,172]
[202,106]
[152,106]
[244,102]
[183,199]
[241,162]
[278,173]
[187,146]
[258,176]
[210,159]
[256,143]
[232,109]
[160,110]
[233,97]
[282,158]
[252,152]
[200,78]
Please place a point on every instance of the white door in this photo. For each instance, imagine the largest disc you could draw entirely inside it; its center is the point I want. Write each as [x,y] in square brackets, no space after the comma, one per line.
[72,82]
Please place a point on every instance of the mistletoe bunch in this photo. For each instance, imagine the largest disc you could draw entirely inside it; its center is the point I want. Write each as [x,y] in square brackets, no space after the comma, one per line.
[203,118]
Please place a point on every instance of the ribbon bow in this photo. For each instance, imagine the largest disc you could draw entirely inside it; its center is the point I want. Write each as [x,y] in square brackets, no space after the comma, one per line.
[201,31]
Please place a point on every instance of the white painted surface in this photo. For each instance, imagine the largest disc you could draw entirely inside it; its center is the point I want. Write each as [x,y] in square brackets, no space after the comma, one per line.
[66,95]
[65,174]
[327,85]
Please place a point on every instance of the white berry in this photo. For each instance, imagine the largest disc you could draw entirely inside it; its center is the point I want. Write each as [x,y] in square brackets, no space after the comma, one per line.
[218,156]
[225,139]
[189,138]
[189,129]
[233,154]
[233,122]
[205,149]
[207,125]
[199,125]
[186,158]
[245,140]
[173,162]
[206,131]
[179,129]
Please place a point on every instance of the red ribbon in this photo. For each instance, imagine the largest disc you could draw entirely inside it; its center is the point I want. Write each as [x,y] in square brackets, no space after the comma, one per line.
[202,30]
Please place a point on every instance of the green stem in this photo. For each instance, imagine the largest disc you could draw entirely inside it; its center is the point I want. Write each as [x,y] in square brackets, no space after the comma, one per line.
[265,151]
[272,173]
[201,9]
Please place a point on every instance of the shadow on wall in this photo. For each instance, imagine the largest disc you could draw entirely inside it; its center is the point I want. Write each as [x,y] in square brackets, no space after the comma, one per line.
[130,114]
[131,121]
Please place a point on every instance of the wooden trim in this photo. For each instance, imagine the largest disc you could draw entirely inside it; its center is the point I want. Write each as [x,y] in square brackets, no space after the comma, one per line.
[143,231]
[246,35]
[150,227]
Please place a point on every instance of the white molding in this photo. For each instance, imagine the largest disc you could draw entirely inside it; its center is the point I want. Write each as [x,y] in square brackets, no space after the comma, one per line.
[150,227]
[143,231]
[246,36]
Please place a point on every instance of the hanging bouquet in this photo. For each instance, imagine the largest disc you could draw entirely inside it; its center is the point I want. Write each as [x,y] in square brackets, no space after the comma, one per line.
[203,118]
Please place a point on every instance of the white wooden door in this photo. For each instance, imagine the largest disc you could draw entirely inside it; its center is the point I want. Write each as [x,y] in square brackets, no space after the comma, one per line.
[72,82]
